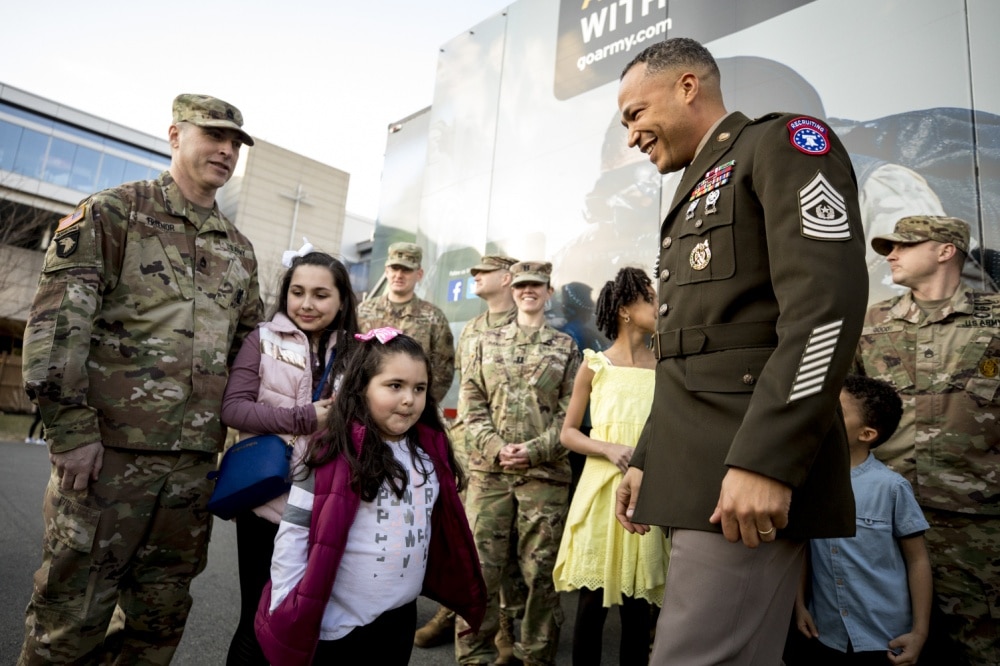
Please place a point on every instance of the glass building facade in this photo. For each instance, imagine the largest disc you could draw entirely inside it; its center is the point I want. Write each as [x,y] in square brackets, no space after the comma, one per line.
[58,153]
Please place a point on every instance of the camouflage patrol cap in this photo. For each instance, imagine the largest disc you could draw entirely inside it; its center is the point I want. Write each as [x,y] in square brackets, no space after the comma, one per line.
[531,271]
[206,111]
[493,262]
[407,255]
[920,228]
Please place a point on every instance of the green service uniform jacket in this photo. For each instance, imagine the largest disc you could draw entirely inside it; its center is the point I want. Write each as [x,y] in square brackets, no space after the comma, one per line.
[762,290]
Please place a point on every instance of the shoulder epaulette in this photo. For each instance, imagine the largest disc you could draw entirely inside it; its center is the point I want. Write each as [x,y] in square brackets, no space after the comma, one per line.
[774,115]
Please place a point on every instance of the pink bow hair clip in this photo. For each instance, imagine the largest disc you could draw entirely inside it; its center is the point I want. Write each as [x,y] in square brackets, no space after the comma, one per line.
[383,334]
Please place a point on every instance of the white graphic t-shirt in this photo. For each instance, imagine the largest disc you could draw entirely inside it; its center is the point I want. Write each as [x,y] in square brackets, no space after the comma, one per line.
[386,555]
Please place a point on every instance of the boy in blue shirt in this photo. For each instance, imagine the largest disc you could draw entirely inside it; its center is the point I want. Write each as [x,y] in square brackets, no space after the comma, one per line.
[871,594]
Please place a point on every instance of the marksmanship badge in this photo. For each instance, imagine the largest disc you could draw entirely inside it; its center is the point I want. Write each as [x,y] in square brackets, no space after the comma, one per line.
[711,201]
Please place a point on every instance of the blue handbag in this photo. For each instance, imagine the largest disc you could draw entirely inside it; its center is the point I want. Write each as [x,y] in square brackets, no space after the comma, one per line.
[253,471]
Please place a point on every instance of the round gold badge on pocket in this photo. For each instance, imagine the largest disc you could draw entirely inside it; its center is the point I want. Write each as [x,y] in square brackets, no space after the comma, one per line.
[700,256]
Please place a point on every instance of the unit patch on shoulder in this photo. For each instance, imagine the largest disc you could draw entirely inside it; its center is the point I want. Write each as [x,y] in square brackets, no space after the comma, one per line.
[67,243]
[72,218]
[809,136]
[823,211]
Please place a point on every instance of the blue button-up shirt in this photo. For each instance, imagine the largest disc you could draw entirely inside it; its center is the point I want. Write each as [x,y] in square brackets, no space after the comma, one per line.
[860,591]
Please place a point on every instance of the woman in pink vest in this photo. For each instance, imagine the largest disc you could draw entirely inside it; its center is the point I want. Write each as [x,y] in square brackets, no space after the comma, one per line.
[283,383]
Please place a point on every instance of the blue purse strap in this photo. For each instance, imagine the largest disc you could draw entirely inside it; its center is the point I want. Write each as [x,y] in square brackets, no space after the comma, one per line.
[326,373]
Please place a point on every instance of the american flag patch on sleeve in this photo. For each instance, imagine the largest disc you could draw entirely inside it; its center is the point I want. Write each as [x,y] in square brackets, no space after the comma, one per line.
[72,218]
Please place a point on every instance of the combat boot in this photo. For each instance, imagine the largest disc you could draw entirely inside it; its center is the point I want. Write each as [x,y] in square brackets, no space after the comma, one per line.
[504,641]
[438,631]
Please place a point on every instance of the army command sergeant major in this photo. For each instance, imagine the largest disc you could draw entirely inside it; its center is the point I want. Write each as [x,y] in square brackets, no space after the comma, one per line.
[762,291]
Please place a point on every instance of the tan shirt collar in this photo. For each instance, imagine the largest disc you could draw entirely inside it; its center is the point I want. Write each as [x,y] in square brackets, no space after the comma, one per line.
[710,132]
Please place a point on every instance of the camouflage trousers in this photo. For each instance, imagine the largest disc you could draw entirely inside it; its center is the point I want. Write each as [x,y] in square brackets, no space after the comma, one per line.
[965,559]
[132,541]
[512,588]
[510,513]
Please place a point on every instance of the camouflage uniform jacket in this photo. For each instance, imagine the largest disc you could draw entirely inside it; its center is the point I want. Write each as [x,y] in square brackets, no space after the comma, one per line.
[468,342]
[946,368]
[468,339]
[140,306]
[425,323]
[516,391]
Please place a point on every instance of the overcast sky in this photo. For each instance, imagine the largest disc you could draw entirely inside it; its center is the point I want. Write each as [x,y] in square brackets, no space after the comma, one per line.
[320,77]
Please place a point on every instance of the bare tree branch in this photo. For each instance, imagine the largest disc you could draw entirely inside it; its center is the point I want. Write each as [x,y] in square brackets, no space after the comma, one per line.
[25,232]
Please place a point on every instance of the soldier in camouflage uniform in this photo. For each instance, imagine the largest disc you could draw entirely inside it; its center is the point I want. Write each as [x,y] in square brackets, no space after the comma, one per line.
[401,308]
[492,278]
[939,345]
[514,398]
[144,297]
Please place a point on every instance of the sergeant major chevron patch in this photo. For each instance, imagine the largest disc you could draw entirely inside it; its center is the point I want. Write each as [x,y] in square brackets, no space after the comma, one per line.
[823,211]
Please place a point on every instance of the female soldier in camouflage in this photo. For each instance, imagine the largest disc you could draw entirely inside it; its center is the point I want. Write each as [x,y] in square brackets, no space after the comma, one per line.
[515,397]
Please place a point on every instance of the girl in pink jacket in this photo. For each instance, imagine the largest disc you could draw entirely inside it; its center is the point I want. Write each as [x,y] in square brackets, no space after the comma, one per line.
[374,522]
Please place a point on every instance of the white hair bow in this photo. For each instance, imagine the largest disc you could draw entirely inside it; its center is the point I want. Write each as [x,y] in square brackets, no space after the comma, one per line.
[288,256]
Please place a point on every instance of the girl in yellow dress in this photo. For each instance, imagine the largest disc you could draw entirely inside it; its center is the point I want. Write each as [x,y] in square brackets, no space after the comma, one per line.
[609,566]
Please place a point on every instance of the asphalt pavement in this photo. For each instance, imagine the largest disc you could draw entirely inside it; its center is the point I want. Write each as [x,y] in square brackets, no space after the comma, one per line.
[23,475]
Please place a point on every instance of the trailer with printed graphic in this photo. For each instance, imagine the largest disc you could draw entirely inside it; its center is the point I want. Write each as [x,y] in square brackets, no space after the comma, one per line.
[522,151]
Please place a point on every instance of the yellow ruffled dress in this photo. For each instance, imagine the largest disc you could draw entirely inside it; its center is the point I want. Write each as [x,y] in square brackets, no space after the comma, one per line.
[596,551]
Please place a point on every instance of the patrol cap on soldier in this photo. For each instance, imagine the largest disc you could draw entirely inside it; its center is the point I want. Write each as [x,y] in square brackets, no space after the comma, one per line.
[531,271]
[207,111]
[407,255]
[920,228]
[493,262]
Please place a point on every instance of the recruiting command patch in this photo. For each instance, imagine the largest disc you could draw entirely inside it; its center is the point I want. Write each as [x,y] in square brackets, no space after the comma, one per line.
[809,136]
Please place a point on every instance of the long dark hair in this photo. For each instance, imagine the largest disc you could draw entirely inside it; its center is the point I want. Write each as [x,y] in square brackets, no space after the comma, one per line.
[345,323]
[630,285]
[376,466]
